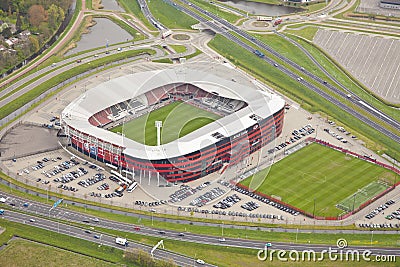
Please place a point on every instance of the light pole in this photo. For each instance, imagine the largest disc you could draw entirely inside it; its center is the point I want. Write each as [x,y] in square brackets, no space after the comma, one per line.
[314,210]
[372,235]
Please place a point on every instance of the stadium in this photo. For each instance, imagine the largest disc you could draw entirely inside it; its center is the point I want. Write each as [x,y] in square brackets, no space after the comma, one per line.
[245,120]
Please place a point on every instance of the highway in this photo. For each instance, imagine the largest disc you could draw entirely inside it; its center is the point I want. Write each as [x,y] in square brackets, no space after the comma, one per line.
[105,239]
[222,26]
[39,211]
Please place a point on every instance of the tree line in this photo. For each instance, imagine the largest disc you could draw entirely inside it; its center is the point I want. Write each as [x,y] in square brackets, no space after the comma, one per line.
[41,18]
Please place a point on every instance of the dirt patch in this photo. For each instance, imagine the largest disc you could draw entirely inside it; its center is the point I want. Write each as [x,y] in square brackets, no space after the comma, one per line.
[26,140]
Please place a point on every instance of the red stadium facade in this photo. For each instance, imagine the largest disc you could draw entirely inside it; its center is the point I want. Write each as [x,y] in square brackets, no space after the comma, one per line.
[232,144]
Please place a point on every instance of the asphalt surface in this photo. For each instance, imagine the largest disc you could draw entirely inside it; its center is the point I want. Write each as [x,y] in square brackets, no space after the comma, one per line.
[36,209]
[222,26]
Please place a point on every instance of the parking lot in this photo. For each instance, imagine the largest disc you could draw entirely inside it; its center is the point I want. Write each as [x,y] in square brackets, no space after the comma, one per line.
[386,215]
[373,60]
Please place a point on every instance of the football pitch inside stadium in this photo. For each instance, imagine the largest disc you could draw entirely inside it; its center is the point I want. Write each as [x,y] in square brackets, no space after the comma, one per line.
[178,119]
[317,179]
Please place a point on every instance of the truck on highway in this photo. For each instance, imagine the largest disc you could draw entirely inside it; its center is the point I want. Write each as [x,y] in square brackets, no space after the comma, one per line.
[121,241]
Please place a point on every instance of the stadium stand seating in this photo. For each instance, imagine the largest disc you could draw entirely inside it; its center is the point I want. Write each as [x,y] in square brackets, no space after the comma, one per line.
[94,121]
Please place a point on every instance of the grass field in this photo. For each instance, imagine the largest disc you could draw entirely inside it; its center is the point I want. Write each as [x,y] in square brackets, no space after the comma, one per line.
[361,196]
[321,176]
[179,119]
[26,253]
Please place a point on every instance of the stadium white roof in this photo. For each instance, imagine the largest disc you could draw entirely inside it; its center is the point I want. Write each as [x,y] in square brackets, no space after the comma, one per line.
[260,103]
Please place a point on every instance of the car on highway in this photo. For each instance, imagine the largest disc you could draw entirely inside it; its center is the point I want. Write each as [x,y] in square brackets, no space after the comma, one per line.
[26,205]
[181,234]
[32,220]
[161,232]
[221,239]
[96,236]
[136,228]
[199,261]
[88,231]
[1,212]
[268,245]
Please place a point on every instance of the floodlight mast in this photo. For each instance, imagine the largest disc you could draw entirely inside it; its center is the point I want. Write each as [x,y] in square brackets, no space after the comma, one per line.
[158,125]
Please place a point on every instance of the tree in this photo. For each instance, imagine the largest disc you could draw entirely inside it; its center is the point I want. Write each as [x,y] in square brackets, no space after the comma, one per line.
[53,16]
[7,33]
[18,23]
[36,15]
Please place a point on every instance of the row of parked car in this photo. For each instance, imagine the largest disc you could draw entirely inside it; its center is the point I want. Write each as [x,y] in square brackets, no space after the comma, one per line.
[250,206]
[68,177]
[98,177]
[394,214]
[150,204]
[232,213]
[267,201]
[227,202]
[297,135]
[104,186]
[333,134]
[207,197]
[183,192]
[376,225]
[61,167]
[376,211]
[69,188]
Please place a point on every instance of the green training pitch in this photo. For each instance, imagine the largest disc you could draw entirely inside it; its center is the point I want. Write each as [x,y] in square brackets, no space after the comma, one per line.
[320,175]
[179,119]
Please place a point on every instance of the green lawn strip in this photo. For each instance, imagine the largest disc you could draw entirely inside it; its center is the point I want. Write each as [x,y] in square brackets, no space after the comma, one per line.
[169,16]
[133,8]
[73,244]
[179,119]
[307,32]
[232,18]
[163,60]
[178,48]
[296,91]
[89,4]
[23,253]
[198,52]
[28,96]
[315,7]
[315,172]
